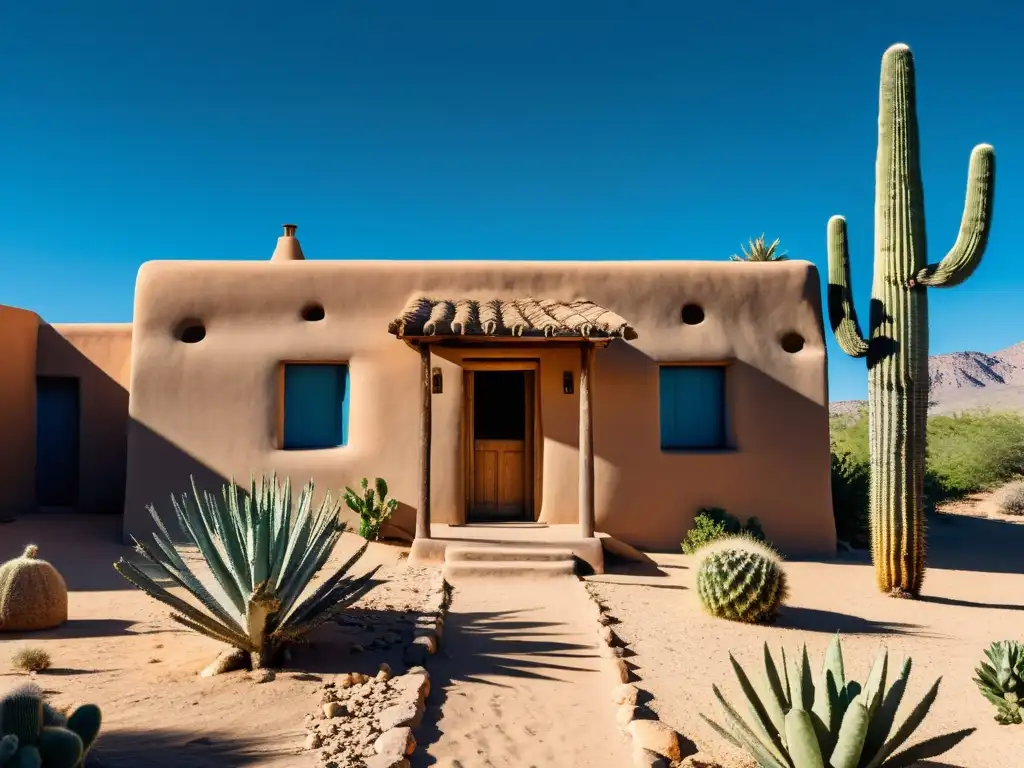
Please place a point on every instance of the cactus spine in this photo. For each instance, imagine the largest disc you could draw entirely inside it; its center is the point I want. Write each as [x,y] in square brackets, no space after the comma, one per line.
[896,347]
[741,579]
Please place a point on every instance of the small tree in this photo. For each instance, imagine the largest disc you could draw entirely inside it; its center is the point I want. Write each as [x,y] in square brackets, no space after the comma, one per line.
[759,251]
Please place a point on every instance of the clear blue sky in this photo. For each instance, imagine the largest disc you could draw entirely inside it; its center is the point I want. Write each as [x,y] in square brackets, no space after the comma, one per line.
[534,129]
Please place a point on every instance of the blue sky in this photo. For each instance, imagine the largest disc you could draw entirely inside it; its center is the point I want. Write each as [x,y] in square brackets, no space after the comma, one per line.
[512,130]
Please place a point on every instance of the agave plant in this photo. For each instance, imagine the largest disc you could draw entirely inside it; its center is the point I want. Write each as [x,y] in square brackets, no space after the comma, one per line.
[838,723]
[263,552]
[1002,681]
[759,251]
[372,506]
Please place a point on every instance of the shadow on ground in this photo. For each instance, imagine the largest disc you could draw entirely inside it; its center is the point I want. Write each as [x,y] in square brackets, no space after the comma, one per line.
[490,646]
[830,622]
[174,749]
[965,543]
[89,628]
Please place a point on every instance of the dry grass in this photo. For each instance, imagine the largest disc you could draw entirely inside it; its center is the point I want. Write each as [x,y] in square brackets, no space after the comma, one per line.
[1011,499]
[31,659]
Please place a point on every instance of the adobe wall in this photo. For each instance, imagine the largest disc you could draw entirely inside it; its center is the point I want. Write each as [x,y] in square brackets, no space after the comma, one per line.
[18,332]
[210,409]
[99,355]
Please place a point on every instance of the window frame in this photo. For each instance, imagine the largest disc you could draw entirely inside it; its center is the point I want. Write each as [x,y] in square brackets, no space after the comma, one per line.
[282,370]
[726,444]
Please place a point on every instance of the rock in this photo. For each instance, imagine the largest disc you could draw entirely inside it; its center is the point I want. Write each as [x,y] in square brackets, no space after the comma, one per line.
[605,633]
[384,761]
[625,714]
[395,741]
[418,671]
[617,668]
[414,686]
[426,638]
[645,758]
[604,618]
[611,652]
[228,661]
[333,709]
[262,675]
[314,741]
[657,737]
[384,673]
[415,654]
[405,714]
[625,693]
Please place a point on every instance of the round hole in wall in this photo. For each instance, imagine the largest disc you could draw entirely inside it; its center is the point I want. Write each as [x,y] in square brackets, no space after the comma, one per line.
[693,314]
[792,342]
[190,331]
[312,313]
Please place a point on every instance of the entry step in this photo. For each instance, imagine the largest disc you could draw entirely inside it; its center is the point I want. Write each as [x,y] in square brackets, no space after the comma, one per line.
[508,554]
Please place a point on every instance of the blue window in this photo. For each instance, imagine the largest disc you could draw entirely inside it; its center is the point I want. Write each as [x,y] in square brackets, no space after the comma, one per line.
[692,399]
[315,406]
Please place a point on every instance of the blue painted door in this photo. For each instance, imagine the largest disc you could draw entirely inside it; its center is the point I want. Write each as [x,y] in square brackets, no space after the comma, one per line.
[58,414]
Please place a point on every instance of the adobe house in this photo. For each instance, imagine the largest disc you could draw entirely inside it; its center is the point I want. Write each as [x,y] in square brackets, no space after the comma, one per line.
[610,397]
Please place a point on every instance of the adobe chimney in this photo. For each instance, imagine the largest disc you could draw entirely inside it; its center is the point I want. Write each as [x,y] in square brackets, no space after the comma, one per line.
[288,248]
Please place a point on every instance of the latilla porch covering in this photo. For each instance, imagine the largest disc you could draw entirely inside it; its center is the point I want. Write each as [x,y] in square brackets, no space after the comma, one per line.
[527,317]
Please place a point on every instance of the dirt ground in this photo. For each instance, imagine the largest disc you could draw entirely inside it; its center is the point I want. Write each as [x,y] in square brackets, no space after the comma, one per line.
[973,595]
[120,650]
[517,682]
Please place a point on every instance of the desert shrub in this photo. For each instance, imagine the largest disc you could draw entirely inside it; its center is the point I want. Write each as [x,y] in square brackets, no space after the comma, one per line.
[966,454]
[713,523]
[30,659]
[1011,499]
[836,721]
[1001,680]
[263,551]
[741,579]
[851,486]
[372,506]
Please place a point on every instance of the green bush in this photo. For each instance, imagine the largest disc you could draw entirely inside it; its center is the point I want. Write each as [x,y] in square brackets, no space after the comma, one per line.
[966,454]
[713,523]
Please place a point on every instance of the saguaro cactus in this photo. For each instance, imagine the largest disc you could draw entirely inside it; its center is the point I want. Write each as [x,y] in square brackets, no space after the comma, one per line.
[897,345]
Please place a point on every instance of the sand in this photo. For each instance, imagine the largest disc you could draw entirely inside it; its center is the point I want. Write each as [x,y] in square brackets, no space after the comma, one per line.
[973,595]
[121,651]
[517,683]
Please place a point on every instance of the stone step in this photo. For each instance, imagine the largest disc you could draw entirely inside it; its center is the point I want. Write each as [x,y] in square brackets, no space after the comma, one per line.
[459,570]
[507,554]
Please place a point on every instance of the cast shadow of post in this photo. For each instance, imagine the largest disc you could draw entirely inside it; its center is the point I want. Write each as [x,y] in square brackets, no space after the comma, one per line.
[170,748]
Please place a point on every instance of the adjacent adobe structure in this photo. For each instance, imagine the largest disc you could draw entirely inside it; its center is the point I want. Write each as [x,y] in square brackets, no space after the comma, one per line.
[617,396]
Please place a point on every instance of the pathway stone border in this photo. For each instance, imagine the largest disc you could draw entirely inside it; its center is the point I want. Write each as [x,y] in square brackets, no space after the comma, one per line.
[655,744]
[368,722]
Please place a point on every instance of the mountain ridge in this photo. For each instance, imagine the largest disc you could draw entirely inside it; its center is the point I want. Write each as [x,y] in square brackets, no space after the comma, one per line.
[965,381]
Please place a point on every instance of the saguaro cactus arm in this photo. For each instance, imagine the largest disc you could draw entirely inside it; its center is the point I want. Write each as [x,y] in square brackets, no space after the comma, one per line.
[966,253]
[841,312]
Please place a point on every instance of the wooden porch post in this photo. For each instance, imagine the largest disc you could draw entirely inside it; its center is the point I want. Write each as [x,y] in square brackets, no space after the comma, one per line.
[423,510]
[586,441]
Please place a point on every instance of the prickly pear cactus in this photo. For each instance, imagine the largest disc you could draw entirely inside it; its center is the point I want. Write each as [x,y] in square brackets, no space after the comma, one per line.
[34,734]
[896,346]
[741,579]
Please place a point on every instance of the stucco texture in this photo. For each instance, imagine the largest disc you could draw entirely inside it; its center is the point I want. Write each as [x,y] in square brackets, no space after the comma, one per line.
[18,334]
[212,408]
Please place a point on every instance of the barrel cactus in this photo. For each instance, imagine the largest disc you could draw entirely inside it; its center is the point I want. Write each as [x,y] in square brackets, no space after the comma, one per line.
[896,347]
[840,723]
[33,594]
[1002,680]
[741,579]
[34,734]
[263,552]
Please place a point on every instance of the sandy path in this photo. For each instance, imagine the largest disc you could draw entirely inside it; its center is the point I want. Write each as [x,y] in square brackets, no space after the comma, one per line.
[517,681]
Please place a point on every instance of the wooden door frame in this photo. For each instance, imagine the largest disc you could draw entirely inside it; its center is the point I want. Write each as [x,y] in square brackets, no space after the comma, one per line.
[531,460]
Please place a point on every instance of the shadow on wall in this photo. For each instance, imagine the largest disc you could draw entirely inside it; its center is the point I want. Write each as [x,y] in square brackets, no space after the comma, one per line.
[781,413]
[103,417]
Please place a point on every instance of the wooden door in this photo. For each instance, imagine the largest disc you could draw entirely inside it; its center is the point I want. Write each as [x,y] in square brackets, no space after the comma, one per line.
[500,411]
